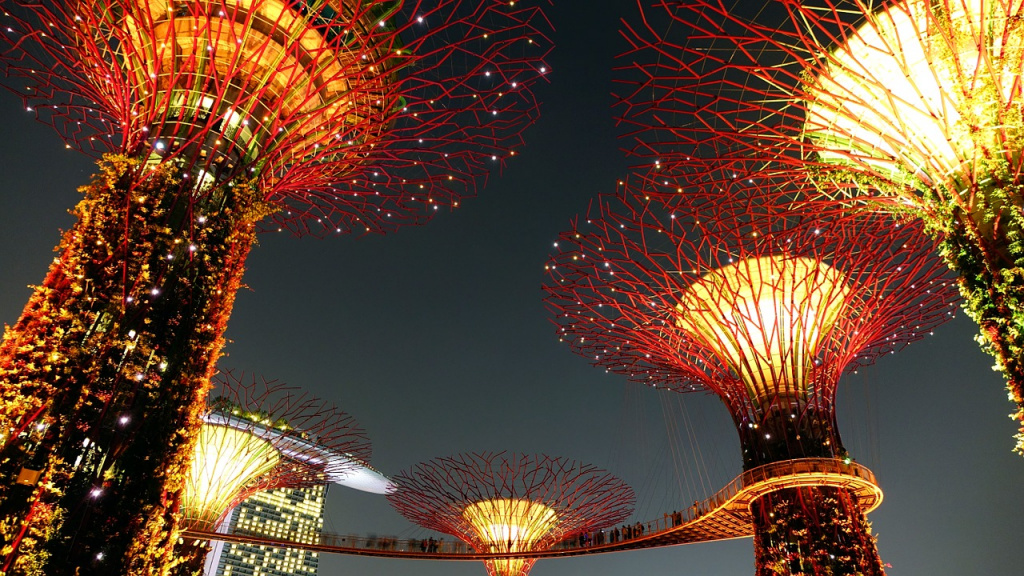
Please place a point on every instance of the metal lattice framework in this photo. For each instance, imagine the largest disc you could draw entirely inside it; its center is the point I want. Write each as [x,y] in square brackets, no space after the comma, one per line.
[262,435]
[355,115]
[735,299]
[765,310]
[506,503]
[226,116]
[909,106]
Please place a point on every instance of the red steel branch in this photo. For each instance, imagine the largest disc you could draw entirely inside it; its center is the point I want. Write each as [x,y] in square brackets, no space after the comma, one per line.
[911,107]
[385,112]
[575,498]
[766,310]
[313,116]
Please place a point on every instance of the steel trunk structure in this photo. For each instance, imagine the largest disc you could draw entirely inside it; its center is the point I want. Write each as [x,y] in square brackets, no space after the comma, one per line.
[911,107]
[764,311]
[509,503]
[218,118]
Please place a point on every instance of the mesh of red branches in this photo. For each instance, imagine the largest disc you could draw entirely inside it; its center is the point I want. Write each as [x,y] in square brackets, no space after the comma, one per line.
[637,288]
[360,115]
[263,434]
[911,100]
[436,494]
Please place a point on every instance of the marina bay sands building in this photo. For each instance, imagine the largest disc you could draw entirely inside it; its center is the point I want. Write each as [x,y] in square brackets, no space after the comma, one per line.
[295,513]
[265,456]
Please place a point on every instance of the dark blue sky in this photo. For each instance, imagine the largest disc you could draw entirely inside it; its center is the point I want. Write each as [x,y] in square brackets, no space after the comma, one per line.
[436,340]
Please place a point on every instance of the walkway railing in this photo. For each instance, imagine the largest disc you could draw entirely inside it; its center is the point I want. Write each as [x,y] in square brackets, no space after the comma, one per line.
[723,516]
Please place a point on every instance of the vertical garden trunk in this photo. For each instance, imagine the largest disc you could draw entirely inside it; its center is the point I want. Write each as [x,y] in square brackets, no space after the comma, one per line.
[106,372]
[190,557]
[812,532]
[992,284]
[805,531]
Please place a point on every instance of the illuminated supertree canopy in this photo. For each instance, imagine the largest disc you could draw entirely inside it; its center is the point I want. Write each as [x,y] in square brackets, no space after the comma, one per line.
[215,119]
[262,435]
[766,311]
[266,435]
[350,116]
[506,503]
[910,106]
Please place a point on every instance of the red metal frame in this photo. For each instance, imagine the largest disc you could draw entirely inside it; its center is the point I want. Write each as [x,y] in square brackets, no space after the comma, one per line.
[331,430]
[436,96]
[435,493]
[645,287]
[617,278]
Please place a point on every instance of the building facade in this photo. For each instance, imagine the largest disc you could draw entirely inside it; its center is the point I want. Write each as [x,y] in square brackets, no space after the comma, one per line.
[295,514]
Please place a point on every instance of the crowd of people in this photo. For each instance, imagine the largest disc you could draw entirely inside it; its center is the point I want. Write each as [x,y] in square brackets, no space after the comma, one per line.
[622,533]
[584,539]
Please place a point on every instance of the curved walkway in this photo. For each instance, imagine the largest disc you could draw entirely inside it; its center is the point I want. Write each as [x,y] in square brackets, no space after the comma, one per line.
[724,516]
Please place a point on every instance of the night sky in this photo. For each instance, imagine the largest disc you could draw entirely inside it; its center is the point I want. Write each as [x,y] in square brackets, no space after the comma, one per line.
[436,340]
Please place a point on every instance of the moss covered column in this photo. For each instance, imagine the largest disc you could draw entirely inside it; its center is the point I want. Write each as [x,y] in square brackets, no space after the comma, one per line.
[104,376]
[815,531]
[985,248]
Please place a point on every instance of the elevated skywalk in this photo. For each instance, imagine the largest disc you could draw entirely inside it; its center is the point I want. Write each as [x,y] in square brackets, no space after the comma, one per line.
[724,516]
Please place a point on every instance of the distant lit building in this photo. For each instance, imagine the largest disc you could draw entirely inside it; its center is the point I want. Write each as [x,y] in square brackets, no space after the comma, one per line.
[294,514]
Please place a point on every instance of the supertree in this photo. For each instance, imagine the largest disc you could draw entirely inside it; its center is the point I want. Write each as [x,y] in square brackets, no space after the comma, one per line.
[765,311]
[506,502]
[262,435]
[912,107]
[219,118]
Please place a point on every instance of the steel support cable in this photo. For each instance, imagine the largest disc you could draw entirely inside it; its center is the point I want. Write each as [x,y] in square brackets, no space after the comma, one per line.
[698,453]
[672,433]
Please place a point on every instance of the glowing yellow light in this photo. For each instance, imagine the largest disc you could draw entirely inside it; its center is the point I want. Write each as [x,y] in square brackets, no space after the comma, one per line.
[919,90]
[286,63]
[765,318]
[509,525]
[224,462]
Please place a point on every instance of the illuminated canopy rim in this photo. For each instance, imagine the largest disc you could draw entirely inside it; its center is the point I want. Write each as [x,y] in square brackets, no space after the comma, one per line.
[766,317]
[264,436]
[260,435]
[303,427]
[508,524]
[228,463]
[315,453]
[352,115]
[925,90]
[634,289]
[270,76]
[489,498]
